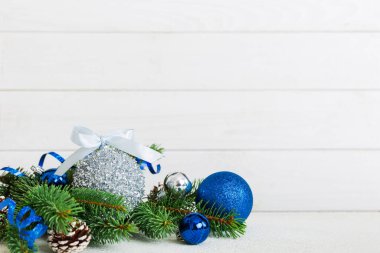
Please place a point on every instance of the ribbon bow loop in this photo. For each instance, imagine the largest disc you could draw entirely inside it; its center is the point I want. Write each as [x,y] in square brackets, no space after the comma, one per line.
[122,139]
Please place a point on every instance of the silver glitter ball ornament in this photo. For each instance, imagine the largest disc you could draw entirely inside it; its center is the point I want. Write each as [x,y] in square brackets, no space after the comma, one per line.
[112,170]
[178,182]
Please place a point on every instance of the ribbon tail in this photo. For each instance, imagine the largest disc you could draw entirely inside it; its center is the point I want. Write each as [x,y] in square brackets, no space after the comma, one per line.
[72,159]
[53,154]
[153,168]
[135,149]
[13,171]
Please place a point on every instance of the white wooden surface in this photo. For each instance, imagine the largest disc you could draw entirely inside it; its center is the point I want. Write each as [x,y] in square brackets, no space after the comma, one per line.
[238,120]
[274,233]
[189,15]
[284,93]
[189,61]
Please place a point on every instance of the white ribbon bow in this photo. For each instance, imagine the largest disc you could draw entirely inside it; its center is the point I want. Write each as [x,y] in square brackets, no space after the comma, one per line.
[121,139]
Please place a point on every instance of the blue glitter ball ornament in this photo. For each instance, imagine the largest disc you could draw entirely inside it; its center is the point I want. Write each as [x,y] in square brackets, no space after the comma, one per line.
[194,228]
[228,191]
[54,179]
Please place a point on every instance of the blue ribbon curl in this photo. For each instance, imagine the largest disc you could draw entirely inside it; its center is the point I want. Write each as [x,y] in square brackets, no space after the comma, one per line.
[144,164]
[13,171]
[49,175]
[24,219]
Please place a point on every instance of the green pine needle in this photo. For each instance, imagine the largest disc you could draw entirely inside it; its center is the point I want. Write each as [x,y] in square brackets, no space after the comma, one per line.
[15,244]
[3,225]
[157,148]
[55,205]
[223,224]
[106,215]
[19,189]
[98,202]
[110,229]
[154,221]
[173,206]
[16,187]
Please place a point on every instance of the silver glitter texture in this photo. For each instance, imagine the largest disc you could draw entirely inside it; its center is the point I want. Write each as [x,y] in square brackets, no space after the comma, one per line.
[111,170]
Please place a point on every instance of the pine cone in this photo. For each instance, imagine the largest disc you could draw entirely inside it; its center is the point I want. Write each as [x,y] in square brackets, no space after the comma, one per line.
[75,241]
[157,192]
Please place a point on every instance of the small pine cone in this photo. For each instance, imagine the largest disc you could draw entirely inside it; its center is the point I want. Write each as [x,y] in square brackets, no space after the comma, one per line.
[157,192]
[75,241]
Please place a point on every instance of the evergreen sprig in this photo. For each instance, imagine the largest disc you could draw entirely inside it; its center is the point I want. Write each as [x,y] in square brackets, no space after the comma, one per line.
[158,217]
[158,148]
[3,225]
[16,186]
[106,214]
[222,223]
[154,221]
[55,205]
[4,190]
[16,244]
[98,202]
[110,228]
[19,189]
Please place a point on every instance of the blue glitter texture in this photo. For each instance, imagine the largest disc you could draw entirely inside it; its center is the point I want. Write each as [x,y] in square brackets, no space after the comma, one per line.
[228,191]
[194,228]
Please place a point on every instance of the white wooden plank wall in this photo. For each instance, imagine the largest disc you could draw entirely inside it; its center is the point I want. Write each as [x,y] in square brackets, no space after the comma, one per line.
[286,93]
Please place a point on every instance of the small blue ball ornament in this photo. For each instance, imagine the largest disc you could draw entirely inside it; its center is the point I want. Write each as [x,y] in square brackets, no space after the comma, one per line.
[194,228]
[54,179]
[228,191]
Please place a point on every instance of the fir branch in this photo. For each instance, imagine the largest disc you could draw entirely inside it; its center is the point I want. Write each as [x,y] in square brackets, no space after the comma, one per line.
[19,188]
[158,148]
[14,186]
[4,190]
[222,223]
[98,201]
[101,204]
[177,200]
[7,178]
[106,215]
[16,244]
[55,205]
[154,221]
[110,229]
[3,225]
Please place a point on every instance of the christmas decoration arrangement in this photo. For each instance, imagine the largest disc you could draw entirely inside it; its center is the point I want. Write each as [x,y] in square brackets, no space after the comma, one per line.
[96,197]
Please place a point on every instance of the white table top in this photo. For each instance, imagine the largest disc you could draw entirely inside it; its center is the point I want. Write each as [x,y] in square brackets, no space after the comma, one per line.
[274,232]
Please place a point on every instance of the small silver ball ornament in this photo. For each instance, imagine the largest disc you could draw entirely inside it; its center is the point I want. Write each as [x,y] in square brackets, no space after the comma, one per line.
[178,182]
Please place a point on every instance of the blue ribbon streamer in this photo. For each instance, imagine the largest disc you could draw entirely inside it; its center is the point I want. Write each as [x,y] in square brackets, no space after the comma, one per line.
[13,171]
[53,154]
[144,164]
[24,219]
[49,175]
